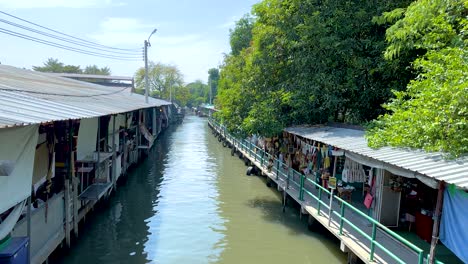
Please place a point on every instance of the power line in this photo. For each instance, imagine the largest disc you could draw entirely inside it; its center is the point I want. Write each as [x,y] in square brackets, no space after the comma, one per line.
[49,43]
[61,33]
[67,40]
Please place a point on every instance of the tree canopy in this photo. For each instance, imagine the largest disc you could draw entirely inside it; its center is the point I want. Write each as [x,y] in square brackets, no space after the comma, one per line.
[54,65]
[199,93]
[309,61]
[432,113]
[213,79]
[241,36]
[163,80]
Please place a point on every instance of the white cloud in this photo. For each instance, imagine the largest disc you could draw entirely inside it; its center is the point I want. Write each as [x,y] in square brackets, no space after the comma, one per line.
[120,24]
[57,3]
[230,23]
[192,53]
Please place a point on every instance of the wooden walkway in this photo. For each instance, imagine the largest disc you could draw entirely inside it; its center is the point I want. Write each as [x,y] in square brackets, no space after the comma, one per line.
[351,240]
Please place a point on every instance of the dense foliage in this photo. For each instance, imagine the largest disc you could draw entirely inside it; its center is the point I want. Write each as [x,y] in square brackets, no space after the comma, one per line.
[167,80]
[163,79]
[432,113]
[213,79]
[309,61]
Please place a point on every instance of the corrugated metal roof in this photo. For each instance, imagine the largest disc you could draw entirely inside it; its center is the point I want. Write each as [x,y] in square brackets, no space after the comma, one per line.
[28,97]
[92,76]
[431,165]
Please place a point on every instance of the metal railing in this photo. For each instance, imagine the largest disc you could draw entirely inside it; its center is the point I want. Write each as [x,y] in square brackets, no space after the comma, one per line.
[298,181]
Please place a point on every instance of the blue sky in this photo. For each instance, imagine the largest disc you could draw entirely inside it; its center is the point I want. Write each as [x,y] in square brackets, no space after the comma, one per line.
[192,34]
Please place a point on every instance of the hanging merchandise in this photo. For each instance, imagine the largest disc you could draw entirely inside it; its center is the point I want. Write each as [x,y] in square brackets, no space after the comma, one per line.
[304,148]
[344,174]
[326,161]
[371,176]
[368,200]
[353,172]
[318,160]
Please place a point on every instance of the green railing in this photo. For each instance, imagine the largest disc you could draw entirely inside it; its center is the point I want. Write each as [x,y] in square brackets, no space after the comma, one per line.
[290,176]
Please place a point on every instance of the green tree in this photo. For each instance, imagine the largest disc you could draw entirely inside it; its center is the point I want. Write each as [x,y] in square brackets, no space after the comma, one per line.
[53,65]
[163,80]
[432,113]
[241,36]
[199,93]
[213,79]
[310,61]
[94,69]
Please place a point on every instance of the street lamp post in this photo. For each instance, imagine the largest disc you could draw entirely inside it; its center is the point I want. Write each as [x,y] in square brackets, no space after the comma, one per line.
[147,44]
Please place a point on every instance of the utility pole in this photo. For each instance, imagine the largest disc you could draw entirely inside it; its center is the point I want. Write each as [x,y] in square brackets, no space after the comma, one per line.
[146,45]
[146,71]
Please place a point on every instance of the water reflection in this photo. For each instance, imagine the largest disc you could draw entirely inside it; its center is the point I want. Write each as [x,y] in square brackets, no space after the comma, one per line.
[190,202]
[186,227]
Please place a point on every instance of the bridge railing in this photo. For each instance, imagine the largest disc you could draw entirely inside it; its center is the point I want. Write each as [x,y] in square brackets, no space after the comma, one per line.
[298,181]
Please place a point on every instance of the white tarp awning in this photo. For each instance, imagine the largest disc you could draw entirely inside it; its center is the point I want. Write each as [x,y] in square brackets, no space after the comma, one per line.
[18,146]
[87,137]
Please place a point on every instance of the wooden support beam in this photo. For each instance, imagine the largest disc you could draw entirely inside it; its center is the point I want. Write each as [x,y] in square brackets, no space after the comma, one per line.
[125,150]
[75,205]
[435,228]
[114,155]
[67,212]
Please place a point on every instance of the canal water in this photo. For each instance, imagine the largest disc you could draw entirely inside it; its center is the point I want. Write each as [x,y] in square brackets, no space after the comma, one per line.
[191,202]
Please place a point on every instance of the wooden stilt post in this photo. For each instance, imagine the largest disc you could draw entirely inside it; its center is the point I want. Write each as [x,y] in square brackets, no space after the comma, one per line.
[75,205]
[98,164]
[74,181]
[330,211]
[284,200]
[67,212]
[29,224]
[114,155]
[155,129]
[138,134]
[435,228]
[67,188]
[125,153]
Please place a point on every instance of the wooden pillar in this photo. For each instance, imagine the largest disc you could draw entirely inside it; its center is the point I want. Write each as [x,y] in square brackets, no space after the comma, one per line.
[67,186]
[98,164]
[114,155]
[353,258]
[125,150]
[435,228]
[155,129]
[75,205]
[29,224]
[138,133]
[334,166]
[67,212]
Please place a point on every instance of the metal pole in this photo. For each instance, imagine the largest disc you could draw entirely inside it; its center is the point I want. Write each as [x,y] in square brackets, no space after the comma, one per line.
[330,211]
[146,71]
[435,228]
[170,92]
